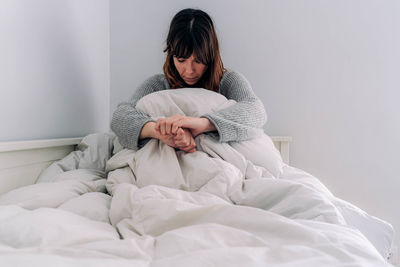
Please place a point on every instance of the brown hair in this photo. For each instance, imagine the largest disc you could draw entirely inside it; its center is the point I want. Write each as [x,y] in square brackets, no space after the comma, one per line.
[192,31]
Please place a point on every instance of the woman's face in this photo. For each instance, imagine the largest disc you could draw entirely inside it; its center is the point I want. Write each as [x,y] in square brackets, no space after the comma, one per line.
[190,69]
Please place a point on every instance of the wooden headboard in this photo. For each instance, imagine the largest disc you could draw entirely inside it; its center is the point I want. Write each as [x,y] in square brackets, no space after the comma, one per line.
[21,162]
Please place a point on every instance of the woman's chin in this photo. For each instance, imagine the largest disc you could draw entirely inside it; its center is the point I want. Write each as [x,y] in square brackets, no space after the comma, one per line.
[191,82]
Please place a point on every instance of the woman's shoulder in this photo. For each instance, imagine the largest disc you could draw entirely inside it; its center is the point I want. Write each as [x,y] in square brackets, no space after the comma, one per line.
[233,77]
[158,81]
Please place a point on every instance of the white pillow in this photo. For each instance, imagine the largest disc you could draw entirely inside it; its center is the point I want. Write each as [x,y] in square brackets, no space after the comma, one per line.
[192,102]
[195,102]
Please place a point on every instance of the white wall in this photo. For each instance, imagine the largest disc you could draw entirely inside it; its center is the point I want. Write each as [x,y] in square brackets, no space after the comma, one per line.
[54,68]
[327,72]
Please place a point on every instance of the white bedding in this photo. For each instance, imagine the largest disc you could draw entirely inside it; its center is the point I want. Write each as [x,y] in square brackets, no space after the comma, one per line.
[159,207]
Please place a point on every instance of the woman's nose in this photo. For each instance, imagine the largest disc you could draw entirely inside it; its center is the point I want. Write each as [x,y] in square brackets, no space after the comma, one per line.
[189,67]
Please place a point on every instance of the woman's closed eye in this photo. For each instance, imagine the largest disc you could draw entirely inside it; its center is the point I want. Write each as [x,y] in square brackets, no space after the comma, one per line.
[181,60]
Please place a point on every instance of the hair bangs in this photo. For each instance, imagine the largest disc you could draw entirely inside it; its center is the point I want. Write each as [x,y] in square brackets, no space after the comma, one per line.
[182,47]
[186,45]
[201,52]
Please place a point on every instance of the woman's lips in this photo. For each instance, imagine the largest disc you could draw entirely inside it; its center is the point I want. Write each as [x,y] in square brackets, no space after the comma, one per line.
[191,80]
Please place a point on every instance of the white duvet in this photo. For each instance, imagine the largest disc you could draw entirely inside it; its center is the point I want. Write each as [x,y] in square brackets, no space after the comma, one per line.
[231,204]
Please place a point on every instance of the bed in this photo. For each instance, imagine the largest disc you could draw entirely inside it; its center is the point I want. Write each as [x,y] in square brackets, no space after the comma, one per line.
[22,161]
[89,201]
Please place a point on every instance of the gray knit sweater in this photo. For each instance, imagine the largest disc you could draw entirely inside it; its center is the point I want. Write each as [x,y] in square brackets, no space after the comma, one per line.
[235,123]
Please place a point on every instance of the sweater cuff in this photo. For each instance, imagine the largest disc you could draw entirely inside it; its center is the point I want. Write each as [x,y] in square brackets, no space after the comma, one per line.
[223,135]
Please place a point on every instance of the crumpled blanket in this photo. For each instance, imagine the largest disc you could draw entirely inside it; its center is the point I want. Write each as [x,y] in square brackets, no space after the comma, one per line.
[104,205]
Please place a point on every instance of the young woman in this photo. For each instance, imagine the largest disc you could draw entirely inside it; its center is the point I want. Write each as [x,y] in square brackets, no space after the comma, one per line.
[193,60]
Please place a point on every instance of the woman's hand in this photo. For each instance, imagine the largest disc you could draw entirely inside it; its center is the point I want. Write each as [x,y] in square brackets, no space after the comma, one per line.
[171,125]
[184,140]
[166,138]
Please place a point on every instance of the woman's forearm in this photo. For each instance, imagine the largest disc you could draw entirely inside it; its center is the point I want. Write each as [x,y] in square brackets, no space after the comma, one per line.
[202,126]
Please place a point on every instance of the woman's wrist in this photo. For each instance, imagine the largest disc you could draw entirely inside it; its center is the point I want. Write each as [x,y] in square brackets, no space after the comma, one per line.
[206,126]
[148,130]
[209,126]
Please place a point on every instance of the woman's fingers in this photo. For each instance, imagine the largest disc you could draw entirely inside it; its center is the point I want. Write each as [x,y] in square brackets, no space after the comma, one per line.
[190,148]
[169,125]
[173,124]
[180,132]
[176,125]
[164,125]
[187,142]
[162,128]
[181,139]
[192,142]
[182,142]
[159,126]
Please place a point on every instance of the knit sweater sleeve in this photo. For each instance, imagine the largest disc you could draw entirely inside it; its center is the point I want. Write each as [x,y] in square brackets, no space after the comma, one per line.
[243,120]
[127,122]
